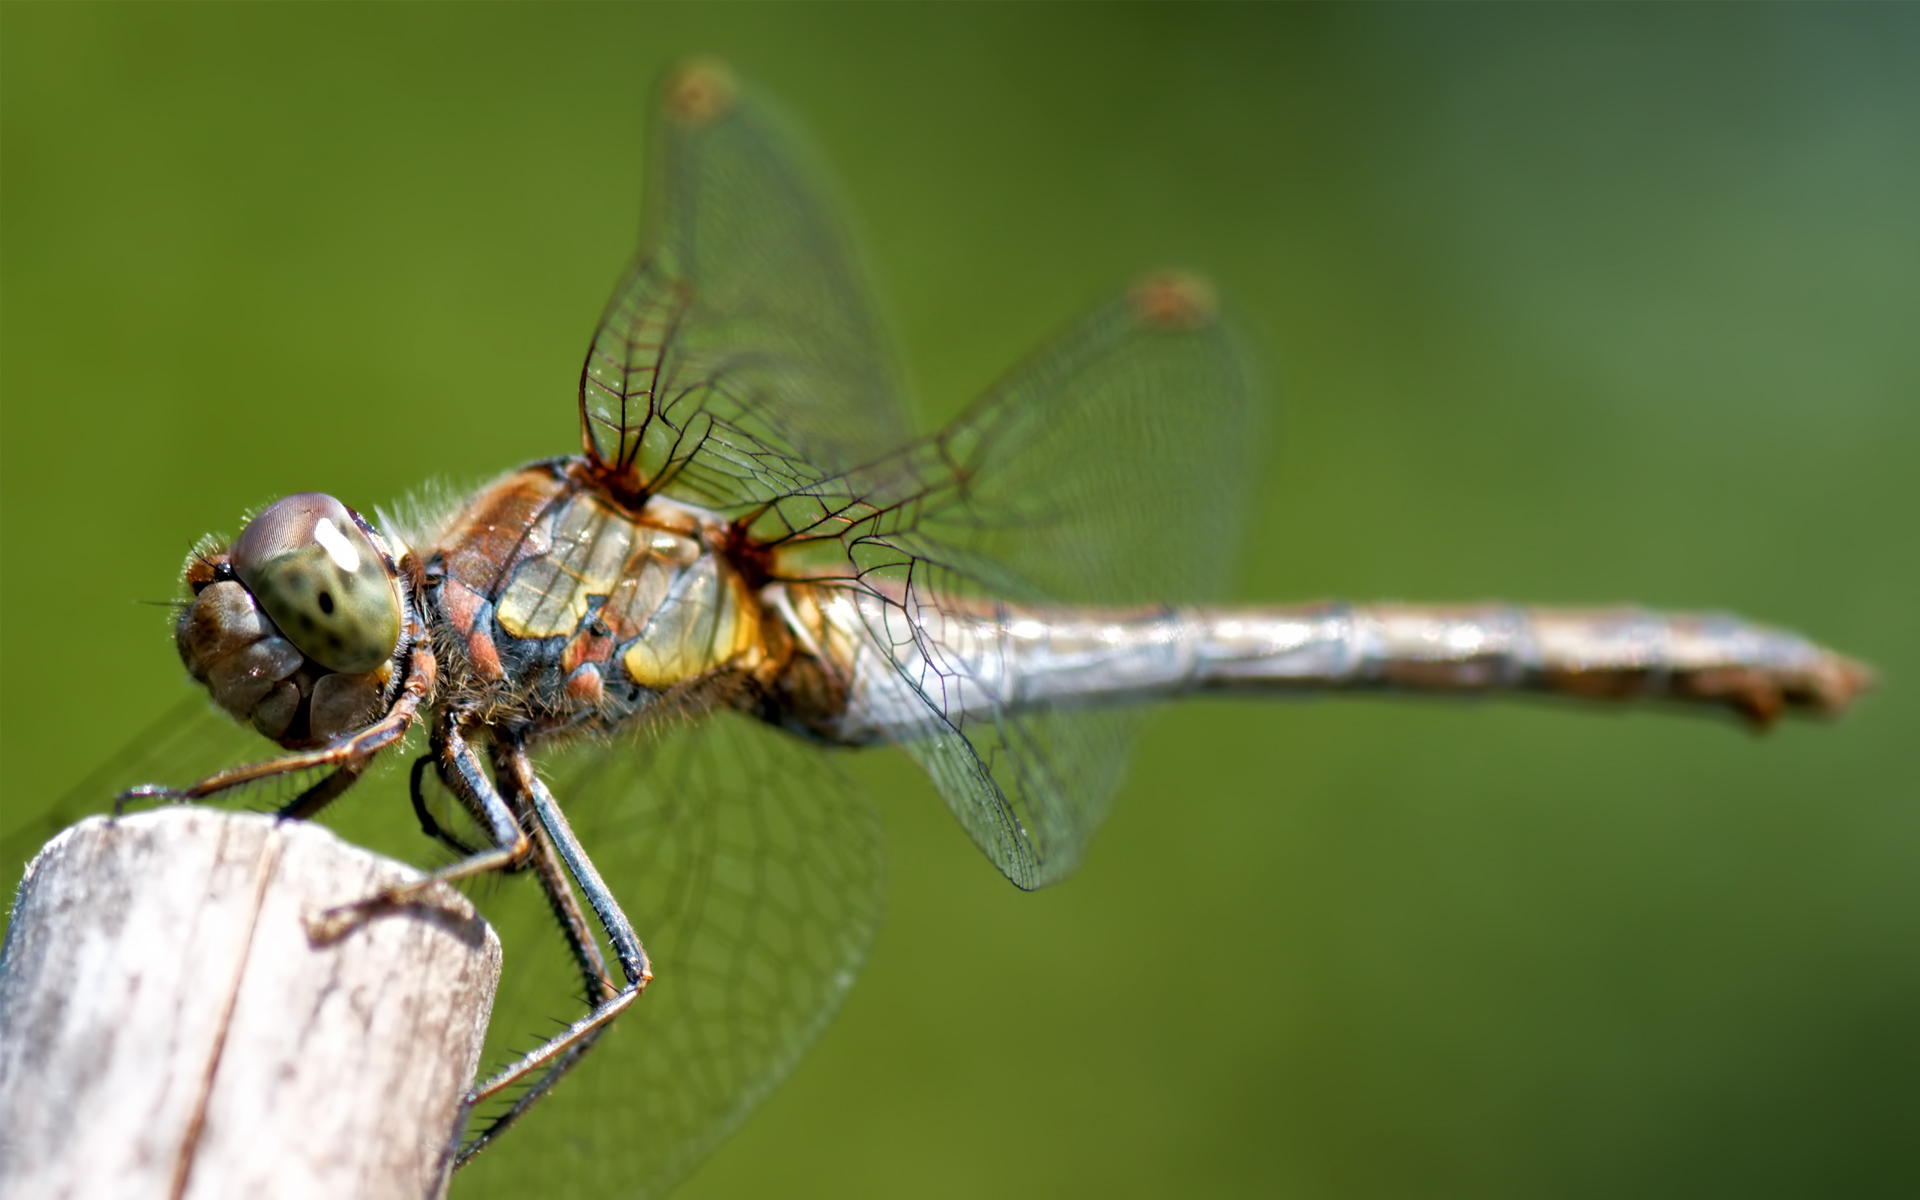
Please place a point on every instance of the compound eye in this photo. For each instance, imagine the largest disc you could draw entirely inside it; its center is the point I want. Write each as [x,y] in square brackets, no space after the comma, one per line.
[322,580]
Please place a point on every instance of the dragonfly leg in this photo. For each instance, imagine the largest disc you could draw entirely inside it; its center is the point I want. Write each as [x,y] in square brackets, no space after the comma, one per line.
[544,860]
[461,770]
[349,756]
[437,757]
[557,1056]
[310,802]
[550,867]
[428,825]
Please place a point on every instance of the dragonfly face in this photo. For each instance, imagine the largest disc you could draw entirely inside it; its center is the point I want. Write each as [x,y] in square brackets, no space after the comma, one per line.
[296,627]
[752,536]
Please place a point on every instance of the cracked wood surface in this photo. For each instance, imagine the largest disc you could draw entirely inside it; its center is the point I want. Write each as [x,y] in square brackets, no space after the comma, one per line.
[168,1030]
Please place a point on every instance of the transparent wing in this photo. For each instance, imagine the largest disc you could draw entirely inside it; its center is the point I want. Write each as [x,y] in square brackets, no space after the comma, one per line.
[749,863]
[186,742]
[742,366]
[751,867]
[1110,470]
[742,357]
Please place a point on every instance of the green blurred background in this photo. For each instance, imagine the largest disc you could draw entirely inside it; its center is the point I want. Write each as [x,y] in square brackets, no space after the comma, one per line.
[1561,304]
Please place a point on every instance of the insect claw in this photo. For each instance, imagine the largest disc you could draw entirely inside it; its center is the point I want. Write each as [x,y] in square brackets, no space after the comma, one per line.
[331,924]
[147,792]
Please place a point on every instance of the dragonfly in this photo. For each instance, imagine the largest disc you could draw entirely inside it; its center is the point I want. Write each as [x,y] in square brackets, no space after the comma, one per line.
[754,560]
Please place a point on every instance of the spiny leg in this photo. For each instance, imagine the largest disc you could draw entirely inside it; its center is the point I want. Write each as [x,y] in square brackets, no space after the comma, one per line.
[558,1055]
[460,776]
[461,771]
[349,756]
[601,994]
[428,825]
[309,803]
[566,908]
[553,823]
[552,871]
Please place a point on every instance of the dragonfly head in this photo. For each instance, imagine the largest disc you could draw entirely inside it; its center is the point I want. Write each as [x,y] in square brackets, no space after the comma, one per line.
[296,626]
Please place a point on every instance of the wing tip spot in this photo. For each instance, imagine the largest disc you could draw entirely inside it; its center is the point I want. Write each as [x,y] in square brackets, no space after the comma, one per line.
[700,92]
[1174,301]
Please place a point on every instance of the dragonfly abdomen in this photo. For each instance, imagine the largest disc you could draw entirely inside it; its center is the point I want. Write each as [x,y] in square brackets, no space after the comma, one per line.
[1604,654]
[920,666]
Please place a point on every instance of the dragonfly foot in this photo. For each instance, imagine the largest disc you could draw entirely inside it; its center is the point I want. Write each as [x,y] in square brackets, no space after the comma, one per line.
[329,925]
[147,792]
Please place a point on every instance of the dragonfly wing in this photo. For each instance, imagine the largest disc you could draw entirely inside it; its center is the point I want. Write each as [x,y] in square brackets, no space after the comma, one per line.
[190,740]
[752,869]
[1030,789]
[751,866]
[1109,470]
[742,357]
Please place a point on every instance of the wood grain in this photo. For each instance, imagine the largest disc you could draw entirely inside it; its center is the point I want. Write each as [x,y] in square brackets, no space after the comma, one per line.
[167,1028]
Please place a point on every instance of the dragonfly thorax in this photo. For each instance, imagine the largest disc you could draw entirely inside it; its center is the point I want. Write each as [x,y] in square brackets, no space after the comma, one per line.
[552,597]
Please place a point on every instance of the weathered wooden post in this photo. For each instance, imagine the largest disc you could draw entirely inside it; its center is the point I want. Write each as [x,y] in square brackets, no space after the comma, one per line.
[167,1029]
